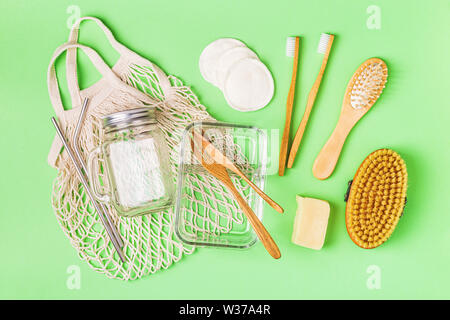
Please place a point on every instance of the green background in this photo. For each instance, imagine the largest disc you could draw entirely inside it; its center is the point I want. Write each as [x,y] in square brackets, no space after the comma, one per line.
[411,117]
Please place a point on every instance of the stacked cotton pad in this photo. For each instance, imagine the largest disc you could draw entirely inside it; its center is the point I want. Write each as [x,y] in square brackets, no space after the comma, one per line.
[245,81]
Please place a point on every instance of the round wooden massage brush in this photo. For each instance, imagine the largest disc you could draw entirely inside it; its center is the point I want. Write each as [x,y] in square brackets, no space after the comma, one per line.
[376,198]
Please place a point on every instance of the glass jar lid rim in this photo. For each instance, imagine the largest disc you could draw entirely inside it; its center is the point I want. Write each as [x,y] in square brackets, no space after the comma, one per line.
[129,116]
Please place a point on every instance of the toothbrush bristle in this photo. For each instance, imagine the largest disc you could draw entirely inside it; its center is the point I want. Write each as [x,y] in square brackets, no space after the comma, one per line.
[290,46]
[323,43]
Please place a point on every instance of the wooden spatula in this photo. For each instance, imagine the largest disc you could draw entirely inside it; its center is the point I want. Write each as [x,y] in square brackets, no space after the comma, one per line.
[220,172]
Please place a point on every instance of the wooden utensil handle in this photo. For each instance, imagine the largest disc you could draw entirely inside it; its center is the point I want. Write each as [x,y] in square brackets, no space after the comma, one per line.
[261,193]
[257,225]
[326,160]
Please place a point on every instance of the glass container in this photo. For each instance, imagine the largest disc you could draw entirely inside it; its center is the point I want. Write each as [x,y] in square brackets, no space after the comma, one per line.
[206,212]
[136,161]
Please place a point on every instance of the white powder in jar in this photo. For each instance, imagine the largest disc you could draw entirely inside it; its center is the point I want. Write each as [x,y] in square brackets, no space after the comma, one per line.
[137,172]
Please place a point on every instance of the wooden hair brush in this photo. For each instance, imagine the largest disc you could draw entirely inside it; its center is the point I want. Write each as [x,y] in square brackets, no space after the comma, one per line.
[376,198]
[362,92]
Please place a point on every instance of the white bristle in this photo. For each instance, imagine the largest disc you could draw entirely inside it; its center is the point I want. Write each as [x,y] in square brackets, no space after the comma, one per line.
[368,85]
[290,46]
[323,43]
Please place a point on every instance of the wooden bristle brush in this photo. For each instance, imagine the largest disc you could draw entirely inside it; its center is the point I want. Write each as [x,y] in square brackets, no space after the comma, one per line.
[325,43]
[376,198]
[362,92]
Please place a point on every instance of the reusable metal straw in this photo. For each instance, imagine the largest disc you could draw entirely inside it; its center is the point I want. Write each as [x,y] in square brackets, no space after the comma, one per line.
[76,147]
[88,190]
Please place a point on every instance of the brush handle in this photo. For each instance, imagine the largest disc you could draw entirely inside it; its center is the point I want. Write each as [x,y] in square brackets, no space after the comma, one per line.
[301,128]
[326,160]
[289,106]
[257,225]
[309,105]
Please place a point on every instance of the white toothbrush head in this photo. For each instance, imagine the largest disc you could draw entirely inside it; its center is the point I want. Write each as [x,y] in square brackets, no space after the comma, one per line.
[290,46]
[323,43]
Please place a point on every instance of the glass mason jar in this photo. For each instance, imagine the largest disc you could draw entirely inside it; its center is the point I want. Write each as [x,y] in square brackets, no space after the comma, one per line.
[136,159]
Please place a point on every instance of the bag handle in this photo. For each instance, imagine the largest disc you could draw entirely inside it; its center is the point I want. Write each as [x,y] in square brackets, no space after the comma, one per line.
[71,60]
[55,95]
[52,81]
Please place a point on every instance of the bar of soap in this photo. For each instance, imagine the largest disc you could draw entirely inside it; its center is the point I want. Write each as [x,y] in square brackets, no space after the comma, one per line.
[311,221]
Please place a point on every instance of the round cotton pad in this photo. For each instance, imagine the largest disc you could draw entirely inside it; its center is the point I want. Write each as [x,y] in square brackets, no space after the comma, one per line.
[230,57]
[209,58]
[248,85]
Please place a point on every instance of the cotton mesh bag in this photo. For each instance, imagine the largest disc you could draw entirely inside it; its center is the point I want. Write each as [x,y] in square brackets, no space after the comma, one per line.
[150,243]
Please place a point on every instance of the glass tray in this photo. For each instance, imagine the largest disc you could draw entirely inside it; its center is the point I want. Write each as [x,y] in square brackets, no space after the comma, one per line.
[206,212]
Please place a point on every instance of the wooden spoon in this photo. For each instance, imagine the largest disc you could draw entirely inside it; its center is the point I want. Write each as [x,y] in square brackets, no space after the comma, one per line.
[220,172]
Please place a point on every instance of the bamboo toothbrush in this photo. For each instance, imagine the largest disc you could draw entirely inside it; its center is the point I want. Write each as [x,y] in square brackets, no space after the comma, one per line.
[325,42]
[362,92]
[292,49]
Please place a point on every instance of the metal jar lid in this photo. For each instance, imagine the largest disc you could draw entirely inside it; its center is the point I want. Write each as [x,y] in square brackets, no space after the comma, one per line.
[133,117]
